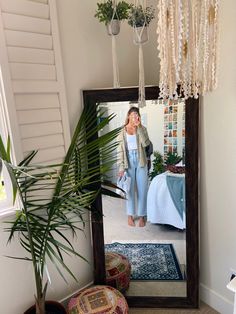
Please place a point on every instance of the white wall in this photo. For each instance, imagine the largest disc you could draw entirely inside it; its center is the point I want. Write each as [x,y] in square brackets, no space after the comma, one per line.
[87,64]
[86,52]
[155,124]
[218,170]
[27,90]
[86,56]
[17,278]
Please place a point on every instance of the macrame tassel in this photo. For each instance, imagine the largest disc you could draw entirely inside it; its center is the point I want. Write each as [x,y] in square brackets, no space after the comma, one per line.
[187,43]
[116,79]
[141,79]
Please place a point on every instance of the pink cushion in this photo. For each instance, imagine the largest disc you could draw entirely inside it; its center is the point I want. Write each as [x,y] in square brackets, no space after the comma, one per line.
[99,300]
[117,271]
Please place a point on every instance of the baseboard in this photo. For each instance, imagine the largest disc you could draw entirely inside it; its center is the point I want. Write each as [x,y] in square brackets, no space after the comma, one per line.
[210,297]
[215,300]
[65,300]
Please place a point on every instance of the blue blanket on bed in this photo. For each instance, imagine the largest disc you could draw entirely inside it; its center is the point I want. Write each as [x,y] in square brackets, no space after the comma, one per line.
[176,186]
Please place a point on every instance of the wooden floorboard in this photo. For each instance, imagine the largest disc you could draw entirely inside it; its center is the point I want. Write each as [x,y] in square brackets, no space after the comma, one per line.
[204,309]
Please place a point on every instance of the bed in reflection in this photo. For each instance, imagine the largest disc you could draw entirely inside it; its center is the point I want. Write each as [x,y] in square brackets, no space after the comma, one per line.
[166,200]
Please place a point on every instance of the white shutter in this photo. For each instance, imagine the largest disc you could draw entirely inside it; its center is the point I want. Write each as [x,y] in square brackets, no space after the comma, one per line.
[30,53]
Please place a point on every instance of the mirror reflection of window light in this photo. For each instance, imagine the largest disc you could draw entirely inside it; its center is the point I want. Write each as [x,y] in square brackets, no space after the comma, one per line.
[3,194]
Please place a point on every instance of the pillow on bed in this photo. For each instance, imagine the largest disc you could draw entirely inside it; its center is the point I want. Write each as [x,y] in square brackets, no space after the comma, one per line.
[175,169]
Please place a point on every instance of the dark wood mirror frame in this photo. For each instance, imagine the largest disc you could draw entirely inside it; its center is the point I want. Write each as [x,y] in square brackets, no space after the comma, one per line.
[95,96]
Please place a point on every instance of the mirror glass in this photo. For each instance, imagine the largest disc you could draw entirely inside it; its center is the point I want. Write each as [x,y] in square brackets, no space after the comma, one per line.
[156,251]
[164,254]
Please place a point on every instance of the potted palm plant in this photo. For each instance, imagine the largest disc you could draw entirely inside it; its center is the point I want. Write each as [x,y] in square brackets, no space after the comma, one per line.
[139,18]
[111,13]
[54,198]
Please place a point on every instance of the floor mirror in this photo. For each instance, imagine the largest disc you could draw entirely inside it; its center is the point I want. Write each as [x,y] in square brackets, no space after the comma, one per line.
[164,255]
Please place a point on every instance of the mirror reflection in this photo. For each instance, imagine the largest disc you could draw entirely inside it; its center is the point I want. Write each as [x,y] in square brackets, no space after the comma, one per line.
[148,227]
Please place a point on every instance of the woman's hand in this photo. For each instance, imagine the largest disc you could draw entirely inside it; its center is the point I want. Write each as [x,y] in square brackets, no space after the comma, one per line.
[134,119]
[120,174]
[137,121]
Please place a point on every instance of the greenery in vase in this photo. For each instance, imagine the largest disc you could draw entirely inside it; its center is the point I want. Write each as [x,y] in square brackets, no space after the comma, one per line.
[106,11]
[172,159]
[139,16]
[158,166]
[55,198]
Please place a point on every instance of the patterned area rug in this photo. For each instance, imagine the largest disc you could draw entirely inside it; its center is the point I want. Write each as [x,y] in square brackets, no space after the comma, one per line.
[149,261]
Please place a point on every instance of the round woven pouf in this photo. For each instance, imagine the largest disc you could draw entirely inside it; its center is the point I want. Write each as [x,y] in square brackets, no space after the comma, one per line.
[117,271]
[98,300]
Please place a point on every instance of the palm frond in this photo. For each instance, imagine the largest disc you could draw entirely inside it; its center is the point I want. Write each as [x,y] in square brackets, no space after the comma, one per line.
[55,198]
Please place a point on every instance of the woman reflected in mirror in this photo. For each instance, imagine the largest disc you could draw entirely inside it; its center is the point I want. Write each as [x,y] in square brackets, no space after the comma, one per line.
[132,159]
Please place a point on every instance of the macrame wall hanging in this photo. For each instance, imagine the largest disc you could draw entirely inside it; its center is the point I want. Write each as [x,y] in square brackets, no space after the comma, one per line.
[112,12]
[113,29]
[187,43]
[140,34]
[140,17]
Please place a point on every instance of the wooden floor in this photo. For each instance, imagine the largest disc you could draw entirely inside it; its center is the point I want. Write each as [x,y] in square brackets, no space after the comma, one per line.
[204,309]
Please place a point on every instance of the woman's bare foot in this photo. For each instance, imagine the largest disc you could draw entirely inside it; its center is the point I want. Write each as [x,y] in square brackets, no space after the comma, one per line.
[142,222]
[131,221]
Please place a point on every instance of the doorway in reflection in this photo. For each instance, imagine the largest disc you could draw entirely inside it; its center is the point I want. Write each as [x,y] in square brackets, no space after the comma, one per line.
[166,219]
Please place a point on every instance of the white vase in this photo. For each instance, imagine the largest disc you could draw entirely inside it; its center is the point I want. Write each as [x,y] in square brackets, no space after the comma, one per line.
[113,27]
[140,35]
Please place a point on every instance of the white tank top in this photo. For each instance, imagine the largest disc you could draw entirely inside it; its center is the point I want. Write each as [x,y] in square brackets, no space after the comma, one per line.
[131,141]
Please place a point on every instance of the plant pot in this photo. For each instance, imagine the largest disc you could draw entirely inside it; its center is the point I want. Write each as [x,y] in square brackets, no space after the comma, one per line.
[52,307]
[113,27]
[140,35]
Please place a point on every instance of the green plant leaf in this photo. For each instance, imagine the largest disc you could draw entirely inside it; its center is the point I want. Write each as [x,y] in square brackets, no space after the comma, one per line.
[55,198]
[139,16]
[3,152]
[106,11]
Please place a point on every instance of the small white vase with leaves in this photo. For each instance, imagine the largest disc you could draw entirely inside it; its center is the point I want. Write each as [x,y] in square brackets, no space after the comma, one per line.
[139,18]
[112,12]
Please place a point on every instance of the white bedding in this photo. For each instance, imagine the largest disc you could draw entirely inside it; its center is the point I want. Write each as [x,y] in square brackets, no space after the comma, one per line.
[160,207]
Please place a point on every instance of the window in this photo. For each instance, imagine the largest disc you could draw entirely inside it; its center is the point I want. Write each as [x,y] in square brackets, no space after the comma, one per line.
[6,202]
[2,190]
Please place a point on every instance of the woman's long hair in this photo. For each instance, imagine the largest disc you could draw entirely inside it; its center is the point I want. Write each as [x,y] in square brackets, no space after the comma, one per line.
[132,109]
